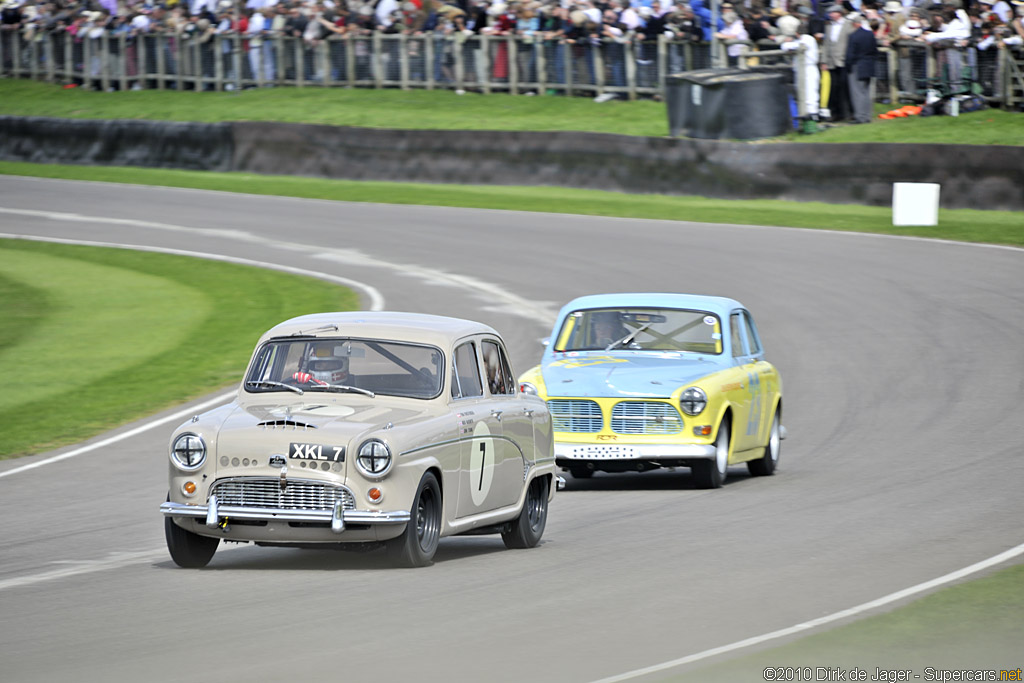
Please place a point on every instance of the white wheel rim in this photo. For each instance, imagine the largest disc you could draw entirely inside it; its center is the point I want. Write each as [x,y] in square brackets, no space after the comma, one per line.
[722,450]
[773,440]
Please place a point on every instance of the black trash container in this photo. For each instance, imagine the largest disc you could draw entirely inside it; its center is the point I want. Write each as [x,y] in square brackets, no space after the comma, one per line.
[727,103]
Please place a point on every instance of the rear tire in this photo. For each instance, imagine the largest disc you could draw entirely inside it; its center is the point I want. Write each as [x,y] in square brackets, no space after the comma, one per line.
[418,543]
[711,474]
[527,529]
[187,549]
[766,464]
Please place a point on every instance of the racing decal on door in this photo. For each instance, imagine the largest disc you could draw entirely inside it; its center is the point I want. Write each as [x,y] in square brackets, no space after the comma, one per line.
[756,397]
[481,463]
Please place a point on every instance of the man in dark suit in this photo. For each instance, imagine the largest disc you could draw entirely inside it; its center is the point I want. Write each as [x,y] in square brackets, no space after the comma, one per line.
[861,53]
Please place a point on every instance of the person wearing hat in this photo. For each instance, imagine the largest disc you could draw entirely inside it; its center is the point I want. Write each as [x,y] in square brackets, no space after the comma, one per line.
[861,54]
[793,35]
[833,60]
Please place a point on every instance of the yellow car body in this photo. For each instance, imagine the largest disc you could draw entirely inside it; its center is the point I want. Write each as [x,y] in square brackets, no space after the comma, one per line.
[631,407]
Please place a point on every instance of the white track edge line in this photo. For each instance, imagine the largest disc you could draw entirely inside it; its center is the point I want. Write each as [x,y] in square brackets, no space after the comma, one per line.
[821,621]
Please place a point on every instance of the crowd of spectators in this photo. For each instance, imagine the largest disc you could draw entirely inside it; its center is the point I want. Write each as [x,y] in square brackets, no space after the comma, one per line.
[821,28]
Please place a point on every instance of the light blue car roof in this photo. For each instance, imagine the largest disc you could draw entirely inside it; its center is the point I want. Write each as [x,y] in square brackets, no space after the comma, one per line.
[719,305]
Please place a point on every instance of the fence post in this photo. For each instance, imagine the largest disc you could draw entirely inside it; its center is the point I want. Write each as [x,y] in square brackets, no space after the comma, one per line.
[540,52]
[570,67]
[429,57]
[178,52]
[662,63]
[15,54]
[513,64]
[403,61]
[892,63]
[51,72]
[629,53]
[161,62]
[218,63]
[485,68]
[459,42]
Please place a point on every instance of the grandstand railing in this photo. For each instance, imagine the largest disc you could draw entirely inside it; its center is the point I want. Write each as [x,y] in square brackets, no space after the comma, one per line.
[627,68]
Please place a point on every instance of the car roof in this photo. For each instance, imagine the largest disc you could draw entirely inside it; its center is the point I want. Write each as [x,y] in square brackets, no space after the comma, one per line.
[411,327]
[721,306]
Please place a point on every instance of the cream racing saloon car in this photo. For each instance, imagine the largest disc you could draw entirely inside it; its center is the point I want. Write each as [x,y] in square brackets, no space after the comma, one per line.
[361,429]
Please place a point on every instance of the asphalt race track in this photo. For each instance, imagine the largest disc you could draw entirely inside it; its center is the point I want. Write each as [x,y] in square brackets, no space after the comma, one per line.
[902,363]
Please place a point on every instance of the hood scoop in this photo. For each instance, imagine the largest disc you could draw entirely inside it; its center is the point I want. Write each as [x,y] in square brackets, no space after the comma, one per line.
[285,423]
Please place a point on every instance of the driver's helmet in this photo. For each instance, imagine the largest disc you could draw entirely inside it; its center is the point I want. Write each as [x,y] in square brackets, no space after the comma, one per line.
[324,366]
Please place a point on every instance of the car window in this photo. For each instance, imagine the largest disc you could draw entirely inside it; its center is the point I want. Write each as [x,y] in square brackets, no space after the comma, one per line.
[752,338]
[342,364]
[640,329]
[735,323]
[465,373]
[499,377]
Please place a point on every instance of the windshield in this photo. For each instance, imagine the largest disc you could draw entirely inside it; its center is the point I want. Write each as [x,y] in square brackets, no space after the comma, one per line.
[359,366]
[641,329]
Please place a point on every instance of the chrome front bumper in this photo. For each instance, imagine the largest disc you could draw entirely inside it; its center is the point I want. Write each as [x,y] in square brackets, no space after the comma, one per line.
[576,451]
[338,517]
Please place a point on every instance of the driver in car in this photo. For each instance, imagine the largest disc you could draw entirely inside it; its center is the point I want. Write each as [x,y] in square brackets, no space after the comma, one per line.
[607,328]
[322,367]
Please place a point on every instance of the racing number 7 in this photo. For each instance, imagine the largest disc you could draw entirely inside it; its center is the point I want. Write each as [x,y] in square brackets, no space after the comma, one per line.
[483,459]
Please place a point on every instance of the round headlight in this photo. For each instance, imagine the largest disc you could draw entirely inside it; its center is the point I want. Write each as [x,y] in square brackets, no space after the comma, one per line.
[693,401]
[188,452]
[527,388]
[374,458]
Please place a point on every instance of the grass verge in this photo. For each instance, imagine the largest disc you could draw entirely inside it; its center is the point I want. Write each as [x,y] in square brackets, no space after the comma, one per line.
[102,336]
[968,225]
[443,110]
[978,625]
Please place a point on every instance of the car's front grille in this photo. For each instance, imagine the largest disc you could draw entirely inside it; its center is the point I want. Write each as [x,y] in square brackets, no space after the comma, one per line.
[298,494]
[646,417]
[579,416]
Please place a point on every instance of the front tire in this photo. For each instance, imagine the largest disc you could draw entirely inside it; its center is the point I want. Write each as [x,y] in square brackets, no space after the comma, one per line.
[418,543]
[528,527]
[766,464]
[711,474]
[187,549]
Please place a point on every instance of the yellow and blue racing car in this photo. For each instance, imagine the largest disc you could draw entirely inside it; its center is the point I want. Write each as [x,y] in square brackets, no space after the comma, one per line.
[640,381]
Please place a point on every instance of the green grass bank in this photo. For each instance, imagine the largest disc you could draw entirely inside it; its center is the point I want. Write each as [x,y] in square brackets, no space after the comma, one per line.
[95,337]
[967,225]
[443,110]
[973,626]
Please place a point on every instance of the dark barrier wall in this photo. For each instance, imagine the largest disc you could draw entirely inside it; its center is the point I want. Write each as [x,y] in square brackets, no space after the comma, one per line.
[190,146]
[983,177]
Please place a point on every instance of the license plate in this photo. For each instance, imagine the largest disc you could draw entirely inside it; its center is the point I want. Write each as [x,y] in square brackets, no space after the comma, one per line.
[315,451]
[603,452]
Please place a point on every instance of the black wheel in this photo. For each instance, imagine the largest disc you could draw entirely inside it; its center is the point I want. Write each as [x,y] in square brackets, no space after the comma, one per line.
[581,472]
[711,474]
[766,464]
[527,529]
[418,543]
[188,550]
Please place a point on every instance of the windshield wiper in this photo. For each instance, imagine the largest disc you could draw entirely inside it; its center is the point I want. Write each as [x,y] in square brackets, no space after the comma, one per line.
[272,383]
[343,387]
[628,338]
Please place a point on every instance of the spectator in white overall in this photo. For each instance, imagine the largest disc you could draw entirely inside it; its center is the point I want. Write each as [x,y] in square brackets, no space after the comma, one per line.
[792,36]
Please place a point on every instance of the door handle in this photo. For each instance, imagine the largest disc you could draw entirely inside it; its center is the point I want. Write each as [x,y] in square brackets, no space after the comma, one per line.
[496,414]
